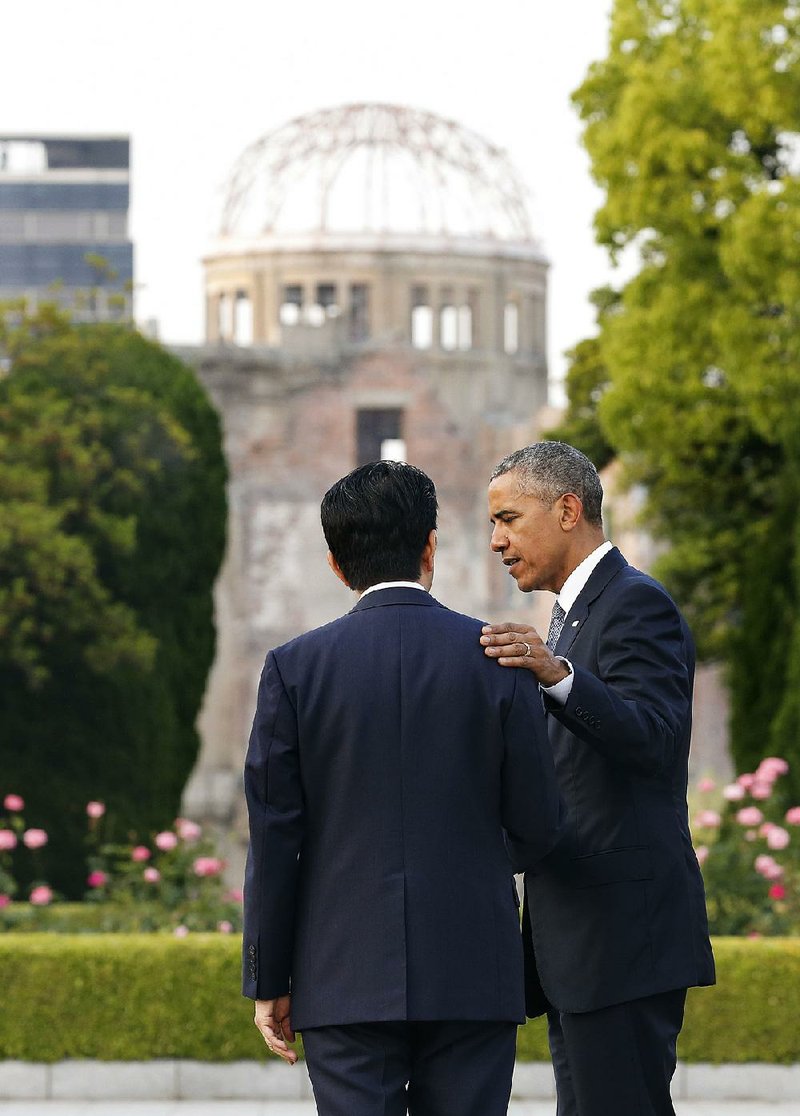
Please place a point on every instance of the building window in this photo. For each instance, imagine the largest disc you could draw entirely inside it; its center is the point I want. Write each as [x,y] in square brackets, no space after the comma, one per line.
[324,306]
[421,318]
[242,319]
[379,435]
[511,328]
[291,305]
[359,314]
[326,298]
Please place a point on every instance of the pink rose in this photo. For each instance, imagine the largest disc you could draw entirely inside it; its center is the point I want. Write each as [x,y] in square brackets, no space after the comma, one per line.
[4,901]
[97,878]
[777,838]
[40,896]
[767,867]
[777,891]
[764,828]
[771,767]
[750,815]
[14,803]
[793,815]
[760,789]
[707,819]
[746,780]
[234,895]
[188,830]
[140,853]
[8,840]
[701,852]
[34,838]
[95,809]
[181,931]
[151,875]
[705,785]
[734,792]
[208,866]
[224,927]
[166,840]
[755,934]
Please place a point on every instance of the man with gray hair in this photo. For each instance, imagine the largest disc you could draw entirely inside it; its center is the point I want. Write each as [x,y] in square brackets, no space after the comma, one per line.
[614,918]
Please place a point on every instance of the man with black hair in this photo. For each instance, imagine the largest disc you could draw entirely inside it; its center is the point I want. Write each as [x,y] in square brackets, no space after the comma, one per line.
[387,762]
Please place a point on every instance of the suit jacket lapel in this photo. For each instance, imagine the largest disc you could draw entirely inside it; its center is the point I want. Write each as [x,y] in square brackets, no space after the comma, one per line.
[607,568]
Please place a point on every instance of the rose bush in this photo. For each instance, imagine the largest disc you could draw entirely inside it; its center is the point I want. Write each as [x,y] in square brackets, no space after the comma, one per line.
[174,882]
[17,841]
[749,852]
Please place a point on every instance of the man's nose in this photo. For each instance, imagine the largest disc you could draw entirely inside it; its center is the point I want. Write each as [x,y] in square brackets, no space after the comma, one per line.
[499,539]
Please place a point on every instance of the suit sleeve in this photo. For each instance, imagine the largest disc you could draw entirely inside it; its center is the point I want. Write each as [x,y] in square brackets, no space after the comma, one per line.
[276,819]
[531,805]
[636,710]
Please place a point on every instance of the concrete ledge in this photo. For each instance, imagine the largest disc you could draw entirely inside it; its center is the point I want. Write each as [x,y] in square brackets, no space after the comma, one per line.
[92,1080]
[189,1080]
[746,1081]
[242,1081]
[533,1081]
[24,1080]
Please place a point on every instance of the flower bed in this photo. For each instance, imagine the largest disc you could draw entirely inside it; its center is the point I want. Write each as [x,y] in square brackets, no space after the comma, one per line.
[748,845]
[172,882]
[137,997]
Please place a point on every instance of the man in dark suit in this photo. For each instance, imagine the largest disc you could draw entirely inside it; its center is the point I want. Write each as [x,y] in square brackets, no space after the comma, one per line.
[614,918]
[388,766]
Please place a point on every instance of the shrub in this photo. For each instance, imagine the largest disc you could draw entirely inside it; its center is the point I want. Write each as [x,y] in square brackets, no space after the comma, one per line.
[152,996]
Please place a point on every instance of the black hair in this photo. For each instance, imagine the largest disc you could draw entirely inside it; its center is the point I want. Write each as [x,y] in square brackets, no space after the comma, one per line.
[377,520]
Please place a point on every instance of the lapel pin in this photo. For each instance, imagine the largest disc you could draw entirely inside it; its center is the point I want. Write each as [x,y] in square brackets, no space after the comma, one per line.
[575,623]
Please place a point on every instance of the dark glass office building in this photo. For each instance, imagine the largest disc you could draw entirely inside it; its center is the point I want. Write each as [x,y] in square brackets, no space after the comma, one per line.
[64,223]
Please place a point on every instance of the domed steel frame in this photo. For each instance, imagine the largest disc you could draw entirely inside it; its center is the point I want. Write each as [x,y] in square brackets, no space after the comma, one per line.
[457,182]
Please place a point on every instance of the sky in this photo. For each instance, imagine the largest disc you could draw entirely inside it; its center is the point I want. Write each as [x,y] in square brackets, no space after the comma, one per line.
[195,82]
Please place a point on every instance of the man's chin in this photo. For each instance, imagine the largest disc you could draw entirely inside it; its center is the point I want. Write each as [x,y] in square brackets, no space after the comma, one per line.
[524,587]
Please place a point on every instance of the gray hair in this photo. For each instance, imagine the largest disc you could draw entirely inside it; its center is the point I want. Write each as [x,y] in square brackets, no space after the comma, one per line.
[547,470]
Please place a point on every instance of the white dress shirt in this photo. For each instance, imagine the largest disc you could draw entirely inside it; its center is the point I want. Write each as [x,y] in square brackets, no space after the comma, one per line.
[394,585]
[570,591]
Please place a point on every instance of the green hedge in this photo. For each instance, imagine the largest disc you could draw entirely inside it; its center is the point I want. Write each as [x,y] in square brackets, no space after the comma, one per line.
[129,997]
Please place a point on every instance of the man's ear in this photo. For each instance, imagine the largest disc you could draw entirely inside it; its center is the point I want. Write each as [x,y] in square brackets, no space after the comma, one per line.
[571,511]
[428,552]
[337,569]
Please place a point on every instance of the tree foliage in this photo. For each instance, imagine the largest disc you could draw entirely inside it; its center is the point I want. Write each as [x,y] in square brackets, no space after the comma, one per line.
[692,126]
[112,519]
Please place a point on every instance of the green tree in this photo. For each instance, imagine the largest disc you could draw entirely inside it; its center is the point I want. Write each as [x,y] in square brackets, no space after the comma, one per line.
[691,126]
[112,521]
[587,380]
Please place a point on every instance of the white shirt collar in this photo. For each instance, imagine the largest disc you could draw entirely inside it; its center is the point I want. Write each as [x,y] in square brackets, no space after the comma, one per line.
[394,585]
[580,575]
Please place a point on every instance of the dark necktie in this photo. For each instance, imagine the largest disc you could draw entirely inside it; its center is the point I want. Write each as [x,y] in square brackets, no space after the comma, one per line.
[556,624]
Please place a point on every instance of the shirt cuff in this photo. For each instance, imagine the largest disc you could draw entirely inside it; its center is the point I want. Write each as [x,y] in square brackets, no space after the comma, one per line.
[561,690]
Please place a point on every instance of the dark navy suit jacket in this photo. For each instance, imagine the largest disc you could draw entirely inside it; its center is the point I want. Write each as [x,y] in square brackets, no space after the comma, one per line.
[387,757]
[617,909]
